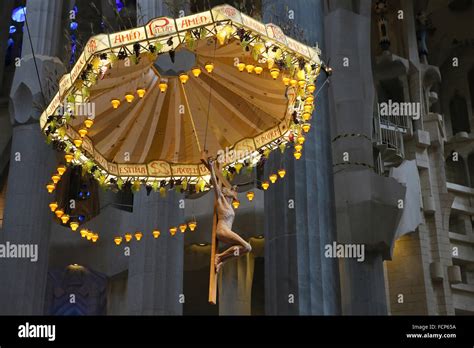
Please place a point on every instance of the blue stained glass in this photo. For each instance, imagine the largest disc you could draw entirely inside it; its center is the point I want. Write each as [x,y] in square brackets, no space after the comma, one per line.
[18,14]
[10,42]
[12,29]
[81,218]
[73,25]
[119,5]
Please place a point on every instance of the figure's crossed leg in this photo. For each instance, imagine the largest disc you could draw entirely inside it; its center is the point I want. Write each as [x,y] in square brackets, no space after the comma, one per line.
[239,248]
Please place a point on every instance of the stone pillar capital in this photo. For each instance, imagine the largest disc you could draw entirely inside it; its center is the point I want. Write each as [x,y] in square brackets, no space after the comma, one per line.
[26,95]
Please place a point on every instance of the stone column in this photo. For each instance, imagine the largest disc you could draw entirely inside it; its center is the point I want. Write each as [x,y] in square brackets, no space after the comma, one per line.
[235,286]
[366,203]
[298,278]
[147,10]
[27,216]
[155,274]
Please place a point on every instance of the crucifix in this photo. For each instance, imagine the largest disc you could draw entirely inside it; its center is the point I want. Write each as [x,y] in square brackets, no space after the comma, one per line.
[222,221]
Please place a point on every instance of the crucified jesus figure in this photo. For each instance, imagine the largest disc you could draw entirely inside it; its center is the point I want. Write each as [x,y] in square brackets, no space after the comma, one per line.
[225,194]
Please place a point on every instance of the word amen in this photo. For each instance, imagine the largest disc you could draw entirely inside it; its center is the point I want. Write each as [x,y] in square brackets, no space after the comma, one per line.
[37,331]
[28,251]
[400,109]
[349,251]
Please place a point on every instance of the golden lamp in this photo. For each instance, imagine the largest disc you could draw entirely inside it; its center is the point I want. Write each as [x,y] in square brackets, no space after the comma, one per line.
[56,178]
[250,195]
[273,178]
[82,132]
[275,72]
[88,123]
[50,187]
[53,206]
[183,78]
[59,213]
[115,103]
[129,97]
[74,225]
[61,169]
[65,218]
[141,92]
[196,71]
[192,225]
[209,67]
[163,86]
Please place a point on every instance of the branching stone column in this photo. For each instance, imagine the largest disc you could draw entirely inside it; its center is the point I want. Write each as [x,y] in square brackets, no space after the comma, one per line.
[299,209]
[155,274]
[366,202]
[27,216]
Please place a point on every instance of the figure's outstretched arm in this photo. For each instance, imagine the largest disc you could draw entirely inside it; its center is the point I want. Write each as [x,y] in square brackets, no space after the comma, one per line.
[215,182]
[210,166]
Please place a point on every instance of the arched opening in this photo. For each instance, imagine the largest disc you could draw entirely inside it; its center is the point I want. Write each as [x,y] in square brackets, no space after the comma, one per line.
[76,290]
[456,171]
[459,114]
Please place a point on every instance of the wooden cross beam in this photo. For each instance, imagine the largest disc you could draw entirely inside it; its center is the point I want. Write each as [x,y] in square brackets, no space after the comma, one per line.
[212,270]
[214,241]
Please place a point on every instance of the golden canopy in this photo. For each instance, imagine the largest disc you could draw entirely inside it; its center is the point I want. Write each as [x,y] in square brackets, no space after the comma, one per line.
[158,95]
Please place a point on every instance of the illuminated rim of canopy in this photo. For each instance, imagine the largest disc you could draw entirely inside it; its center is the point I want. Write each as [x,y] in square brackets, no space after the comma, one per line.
[74,90]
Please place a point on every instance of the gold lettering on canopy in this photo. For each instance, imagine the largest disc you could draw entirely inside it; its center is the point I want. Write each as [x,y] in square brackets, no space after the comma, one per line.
[64,84]
[267,137]
[127,37]
[76,70]
[160,27]
[253,24]
[194,21]
[132,170]
[275,32]
[113,168]
[185,170]
[226,12]
[159,168]
[100,159]
[88,146]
